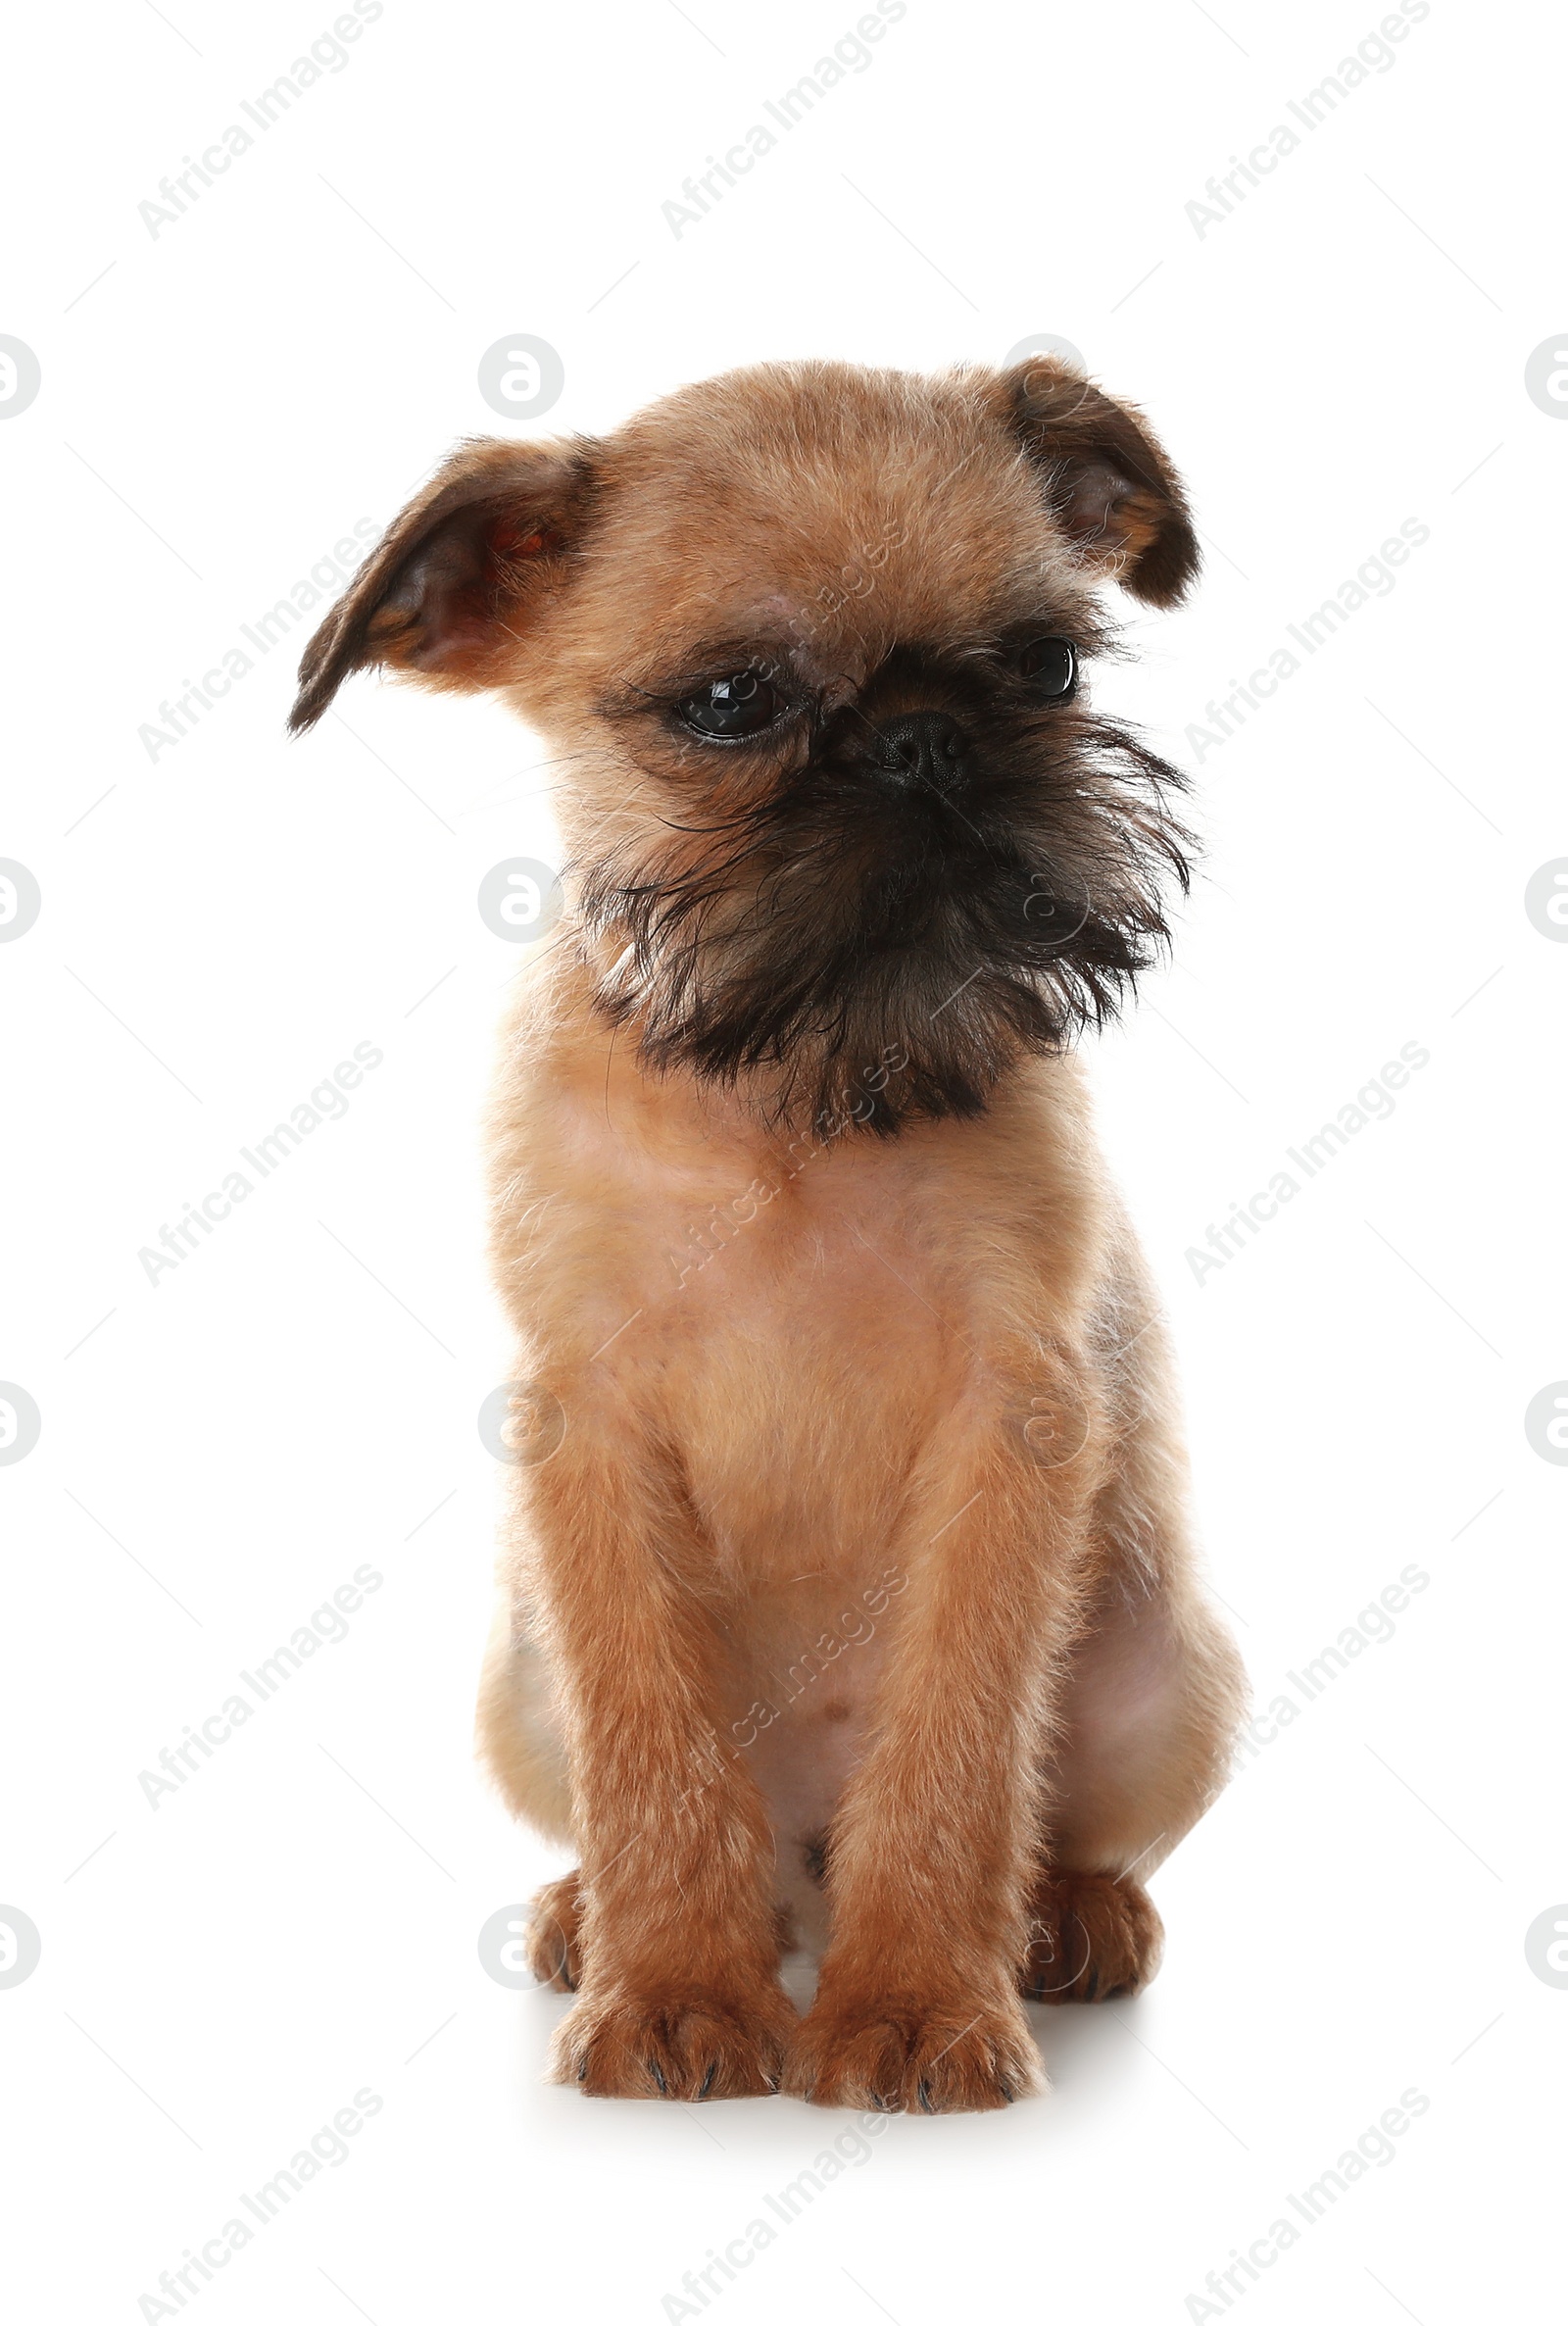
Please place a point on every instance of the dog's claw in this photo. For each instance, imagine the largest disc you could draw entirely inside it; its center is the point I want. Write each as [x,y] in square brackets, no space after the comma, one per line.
[707,2084]
[657,2074]
[925,2098]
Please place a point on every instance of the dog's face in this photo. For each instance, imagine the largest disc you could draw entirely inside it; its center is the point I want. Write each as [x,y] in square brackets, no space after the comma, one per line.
[811,645]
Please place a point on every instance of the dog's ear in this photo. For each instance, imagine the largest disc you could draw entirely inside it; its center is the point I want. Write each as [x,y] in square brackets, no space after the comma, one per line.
[1106,479]
[450,588]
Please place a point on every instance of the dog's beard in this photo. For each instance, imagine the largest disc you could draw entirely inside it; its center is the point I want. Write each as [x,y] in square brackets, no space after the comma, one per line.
[838,954]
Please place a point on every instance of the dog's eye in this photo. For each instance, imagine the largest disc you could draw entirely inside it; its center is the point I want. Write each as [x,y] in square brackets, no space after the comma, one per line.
[1050,667]
[742,705]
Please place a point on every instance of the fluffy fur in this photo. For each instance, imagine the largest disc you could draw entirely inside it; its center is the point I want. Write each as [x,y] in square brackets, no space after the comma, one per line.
[854,1595]
[835,918]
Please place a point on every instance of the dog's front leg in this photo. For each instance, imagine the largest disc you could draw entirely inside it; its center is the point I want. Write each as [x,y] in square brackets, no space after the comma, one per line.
[930,1856]
[678,1938]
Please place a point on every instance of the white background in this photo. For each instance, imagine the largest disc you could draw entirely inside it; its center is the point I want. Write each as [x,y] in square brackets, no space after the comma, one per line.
[219,404]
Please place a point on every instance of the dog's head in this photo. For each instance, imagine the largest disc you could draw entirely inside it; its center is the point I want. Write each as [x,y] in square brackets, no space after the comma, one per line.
[811,646]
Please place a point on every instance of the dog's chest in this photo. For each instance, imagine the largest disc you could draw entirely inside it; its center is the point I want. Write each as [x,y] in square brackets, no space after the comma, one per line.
[806,1342]
[795,1320]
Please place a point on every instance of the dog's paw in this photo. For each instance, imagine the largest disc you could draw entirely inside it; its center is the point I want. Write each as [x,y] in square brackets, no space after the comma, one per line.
[554,1954]
[1092,1937]
[695,2047]
[892,2055]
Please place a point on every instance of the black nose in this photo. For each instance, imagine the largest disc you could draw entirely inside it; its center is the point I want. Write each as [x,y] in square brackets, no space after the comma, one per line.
[922,746]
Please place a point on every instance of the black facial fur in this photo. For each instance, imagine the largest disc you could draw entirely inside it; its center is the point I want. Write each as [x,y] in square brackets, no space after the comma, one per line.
[963,867]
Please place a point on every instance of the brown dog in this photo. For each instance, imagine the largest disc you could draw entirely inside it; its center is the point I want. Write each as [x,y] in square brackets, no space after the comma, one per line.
[850,1566]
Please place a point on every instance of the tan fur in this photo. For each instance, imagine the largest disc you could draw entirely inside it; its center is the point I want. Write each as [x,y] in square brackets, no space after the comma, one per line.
[873,1437]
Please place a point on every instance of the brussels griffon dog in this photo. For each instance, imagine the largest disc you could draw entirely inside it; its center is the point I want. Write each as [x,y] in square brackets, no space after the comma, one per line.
[848,1588]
